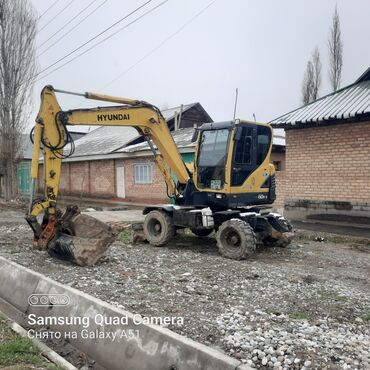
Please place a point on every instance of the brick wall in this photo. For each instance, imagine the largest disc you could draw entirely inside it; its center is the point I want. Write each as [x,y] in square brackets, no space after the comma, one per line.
[280,177]
[329,163]
[156,190]
[102,178]
[78,178]
[64,184]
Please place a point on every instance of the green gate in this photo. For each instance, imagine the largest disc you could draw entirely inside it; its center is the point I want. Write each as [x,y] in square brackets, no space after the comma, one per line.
[24,178]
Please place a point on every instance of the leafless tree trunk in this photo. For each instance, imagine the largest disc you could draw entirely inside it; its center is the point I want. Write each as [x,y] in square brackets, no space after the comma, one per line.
[335,52]
[317,73]
[17,71]
[312,78]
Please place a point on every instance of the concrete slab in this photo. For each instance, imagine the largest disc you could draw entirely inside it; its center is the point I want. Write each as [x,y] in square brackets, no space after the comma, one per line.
[118,216]
[136,345]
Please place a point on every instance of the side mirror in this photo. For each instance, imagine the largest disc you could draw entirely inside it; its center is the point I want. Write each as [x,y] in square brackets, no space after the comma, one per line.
[195,136]
[238,133]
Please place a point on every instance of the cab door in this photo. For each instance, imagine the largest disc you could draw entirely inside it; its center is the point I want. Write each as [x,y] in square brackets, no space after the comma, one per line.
[245,153]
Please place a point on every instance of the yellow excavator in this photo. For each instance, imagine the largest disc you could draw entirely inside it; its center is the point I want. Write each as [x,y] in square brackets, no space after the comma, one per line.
[227,189]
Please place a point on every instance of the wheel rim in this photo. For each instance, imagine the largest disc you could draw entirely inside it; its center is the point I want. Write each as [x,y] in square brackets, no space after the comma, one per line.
[231,238]
[154,227]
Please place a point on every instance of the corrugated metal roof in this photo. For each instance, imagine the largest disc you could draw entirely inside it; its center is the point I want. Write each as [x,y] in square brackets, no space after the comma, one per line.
[350,103]
[182,138]
[108,139]
[103,140]
[169,113]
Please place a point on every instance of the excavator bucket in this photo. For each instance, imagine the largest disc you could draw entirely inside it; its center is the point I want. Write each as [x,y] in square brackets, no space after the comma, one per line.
[78,238]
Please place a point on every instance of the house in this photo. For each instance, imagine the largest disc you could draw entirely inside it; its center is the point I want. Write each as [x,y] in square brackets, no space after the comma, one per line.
[328,156]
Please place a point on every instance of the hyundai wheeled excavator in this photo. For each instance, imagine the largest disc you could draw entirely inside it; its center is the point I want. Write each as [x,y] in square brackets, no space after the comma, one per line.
[226,189]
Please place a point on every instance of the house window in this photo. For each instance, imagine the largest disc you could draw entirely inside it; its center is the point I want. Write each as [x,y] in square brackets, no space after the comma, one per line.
[277,165]
[143,173]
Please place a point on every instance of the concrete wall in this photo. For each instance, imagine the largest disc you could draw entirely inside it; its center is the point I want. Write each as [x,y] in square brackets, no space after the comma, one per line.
[328,165]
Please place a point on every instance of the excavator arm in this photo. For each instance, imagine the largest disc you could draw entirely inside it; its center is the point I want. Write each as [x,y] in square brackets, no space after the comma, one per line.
[50,135]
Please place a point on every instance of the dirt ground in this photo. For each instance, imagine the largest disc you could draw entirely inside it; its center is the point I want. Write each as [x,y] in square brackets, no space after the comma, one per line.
[305,306]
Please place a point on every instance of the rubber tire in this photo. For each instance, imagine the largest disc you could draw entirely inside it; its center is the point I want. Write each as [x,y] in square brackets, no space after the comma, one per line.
[167,228]
[201,232]
[247,243]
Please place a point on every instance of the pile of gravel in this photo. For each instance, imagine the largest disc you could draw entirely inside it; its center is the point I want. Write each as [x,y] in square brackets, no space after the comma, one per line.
[273,341]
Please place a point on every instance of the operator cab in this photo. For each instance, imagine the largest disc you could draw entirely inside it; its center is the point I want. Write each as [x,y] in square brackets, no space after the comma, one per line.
[233,160]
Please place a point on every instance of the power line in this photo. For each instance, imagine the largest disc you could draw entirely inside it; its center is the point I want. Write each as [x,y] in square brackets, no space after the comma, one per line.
[54,3]
[66,7]
[105,39]
[72,29]
[159,45]
[95,37]
[71,20]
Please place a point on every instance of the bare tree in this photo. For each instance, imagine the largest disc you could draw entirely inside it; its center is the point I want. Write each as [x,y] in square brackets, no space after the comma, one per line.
[312,78]
[335,52]
[17,71]
[317,73]
[307,84]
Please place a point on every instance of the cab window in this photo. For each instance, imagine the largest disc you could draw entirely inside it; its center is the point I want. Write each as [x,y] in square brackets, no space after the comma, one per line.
[243,150]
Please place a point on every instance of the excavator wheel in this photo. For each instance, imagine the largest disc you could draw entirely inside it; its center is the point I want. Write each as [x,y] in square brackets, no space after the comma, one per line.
[236,239]
[201,232]
[158,228]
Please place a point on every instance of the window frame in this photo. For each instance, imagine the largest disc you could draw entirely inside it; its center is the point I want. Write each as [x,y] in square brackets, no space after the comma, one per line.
[143,181]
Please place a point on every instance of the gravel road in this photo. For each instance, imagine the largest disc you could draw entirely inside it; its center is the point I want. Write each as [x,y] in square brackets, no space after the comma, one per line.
[303,307]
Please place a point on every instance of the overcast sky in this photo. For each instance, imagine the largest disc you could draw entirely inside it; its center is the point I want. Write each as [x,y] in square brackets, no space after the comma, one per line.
[261,47]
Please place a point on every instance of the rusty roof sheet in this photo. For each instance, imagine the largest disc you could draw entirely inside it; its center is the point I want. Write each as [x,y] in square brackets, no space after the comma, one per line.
[350,103]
